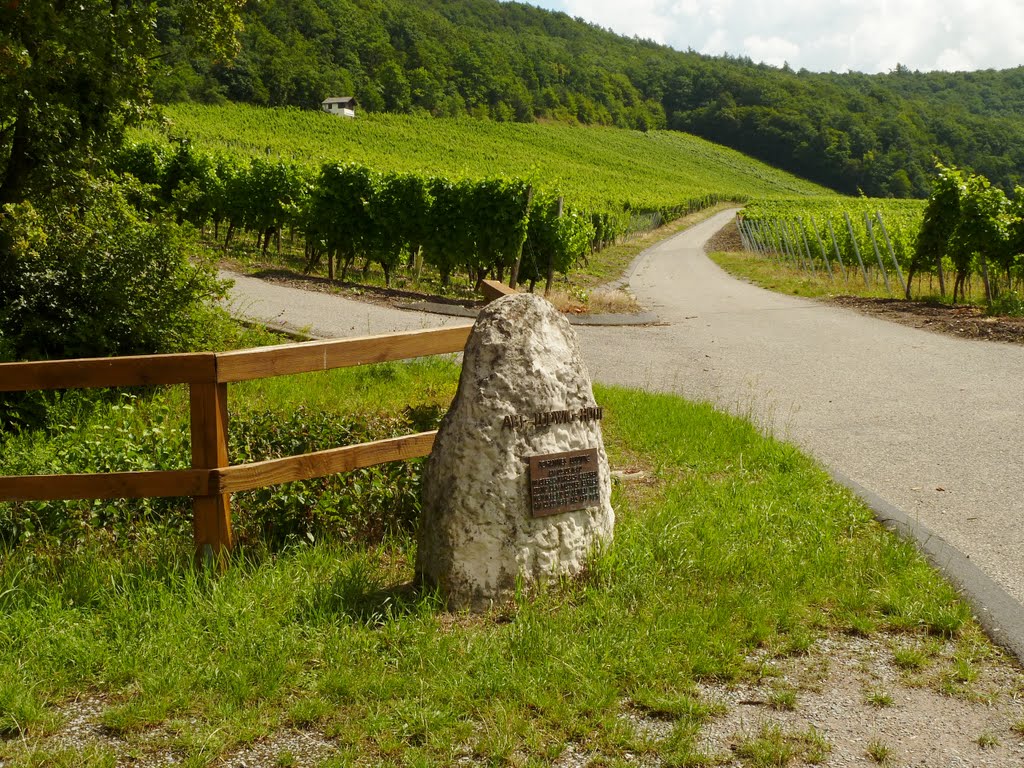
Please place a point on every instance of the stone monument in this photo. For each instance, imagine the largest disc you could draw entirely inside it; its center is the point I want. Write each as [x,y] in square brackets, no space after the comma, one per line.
[517,487]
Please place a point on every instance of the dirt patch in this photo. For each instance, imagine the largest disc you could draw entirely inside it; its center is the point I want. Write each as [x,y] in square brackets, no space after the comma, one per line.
[726,240]
[964,321]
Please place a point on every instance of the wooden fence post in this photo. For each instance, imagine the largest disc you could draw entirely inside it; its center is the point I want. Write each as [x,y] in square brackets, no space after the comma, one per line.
[211,514]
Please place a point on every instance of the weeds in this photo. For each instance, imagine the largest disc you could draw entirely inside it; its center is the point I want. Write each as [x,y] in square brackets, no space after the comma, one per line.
[783,699]
[773,746]
[878,752]
[878,699]
[987,740]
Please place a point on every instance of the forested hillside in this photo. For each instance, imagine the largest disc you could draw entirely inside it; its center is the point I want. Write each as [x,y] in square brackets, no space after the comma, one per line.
[513,62]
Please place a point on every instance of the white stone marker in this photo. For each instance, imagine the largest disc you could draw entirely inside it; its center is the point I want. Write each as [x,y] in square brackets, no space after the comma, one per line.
[523,393]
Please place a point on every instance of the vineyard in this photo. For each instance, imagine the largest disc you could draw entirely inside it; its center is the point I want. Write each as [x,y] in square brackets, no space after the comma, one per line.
[848,241]
[456,197]
[344,211]
[594,168]
[967,229]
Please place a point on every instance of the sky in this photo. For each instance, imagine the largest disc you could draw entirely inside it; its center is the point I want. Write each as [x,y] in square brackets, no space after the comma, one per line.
[831,36]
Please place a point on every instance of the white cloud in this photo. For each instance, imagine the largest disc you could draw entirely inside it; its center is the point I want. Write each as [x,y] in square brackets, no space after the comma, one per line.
[863,35]
[771,50]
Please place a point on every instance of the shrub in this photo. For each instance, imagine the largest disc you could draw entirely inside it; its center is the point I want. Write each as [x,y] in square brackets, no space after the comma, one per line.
[97,280]
[139,433]
[365,505]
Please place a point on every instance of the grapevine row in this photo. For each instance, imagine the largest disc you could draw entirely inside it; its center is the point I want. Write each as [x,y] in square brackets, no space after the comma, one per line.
[966,228]
[869,240]
[491,227]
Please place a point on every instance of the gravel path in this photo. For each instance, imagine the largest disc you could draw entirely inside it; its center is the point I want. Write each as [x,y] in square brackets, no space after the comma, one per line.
[932,424]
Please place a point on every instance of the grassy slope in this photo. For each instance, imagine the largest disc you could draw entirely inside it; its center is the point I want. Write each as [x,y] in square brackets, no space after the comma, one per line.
[592,166]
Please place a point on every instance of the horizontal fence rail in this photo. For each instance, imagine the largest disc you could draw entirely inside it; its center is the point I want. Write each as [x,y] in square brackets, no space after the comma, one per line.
[212,478]
[111,485]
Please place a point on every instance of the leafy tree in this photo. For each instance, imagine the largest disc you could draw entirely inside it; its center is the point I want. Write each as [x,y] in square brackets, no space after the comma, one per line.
[981,231]
[940,220]
[82,272]
[74,75]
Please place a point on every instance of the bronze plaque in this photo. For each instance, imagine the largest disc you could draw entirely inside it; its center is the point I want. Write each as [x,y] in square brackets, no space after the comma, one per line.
[562,482]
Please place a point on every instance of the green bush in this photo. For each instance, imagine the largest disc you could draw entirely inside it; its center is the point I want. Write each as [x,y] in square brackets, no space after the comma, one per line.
[96,279]
[1009,304]
[85,434]
[139,433]
[365,505]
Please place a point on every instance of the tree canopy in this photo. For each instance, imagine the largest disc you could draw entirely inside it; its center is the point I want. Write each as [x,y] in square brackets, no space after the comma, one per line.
[82,271]
[73,75]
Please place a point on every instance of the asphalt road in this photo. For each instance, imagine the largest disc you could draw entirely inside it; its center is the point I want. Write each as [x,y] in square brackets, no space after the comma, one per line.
[931,424]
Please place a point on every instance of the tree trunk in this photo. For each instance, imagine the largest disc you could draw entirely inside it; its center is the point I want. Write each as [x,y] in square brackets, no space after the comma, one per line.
[227,238]
[346,265]
[984,279]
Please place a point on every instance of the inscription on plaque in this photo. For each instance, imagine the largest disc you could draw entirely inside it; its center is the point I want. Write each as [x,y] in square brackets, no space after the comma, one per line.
[584,415]
[562,482]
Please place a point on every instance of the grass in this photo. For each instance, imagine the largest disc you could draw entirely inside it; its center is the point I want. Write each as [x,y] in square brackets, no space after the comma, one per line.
[987,740]
[879,752]
[878,699]
[773,746]
[782,699]
[786,278]
[912,658]
[713,559]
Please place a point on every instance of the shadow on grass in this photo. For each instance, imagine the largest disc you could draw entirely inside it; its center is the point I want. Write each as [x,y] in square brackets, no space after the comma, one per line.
[354,594]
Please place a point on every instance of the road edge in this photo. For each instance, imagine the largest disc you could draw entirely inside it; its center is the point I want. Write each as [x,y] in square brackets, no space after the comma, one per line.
[1000,615]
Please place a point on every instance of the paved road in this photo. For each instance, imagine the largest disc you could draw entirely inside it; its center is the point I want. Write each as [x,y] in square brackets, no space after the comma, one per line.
[932,424]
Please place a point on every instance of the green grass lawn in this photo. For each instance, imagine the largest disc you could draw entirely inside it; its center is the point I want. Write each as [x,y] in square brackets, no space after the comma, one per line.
[733,542]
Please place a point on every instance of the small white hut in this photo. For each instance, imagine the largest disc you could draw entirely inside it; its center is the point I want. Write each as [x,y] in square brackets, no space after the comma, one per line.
[343,106]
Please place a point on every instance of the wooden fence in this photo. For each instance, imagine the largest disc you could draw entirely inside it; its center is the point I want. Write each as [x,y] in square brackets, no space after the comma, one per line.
[212,479]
